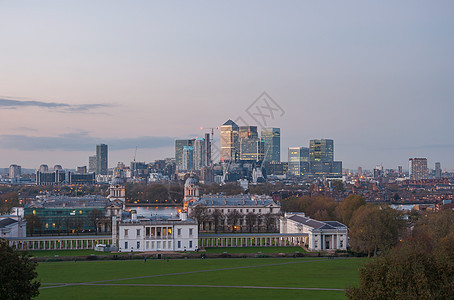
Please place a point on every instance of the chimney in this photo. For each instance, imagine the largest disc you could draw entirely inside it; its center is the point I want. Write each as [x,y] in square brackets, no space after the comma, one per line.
[133,215]
[184,216]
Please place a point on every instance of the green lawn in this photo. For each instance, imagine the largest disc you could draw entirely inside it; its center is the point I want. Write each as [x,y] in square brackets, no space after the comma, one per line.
[254,249]
[268,272]
[52,253]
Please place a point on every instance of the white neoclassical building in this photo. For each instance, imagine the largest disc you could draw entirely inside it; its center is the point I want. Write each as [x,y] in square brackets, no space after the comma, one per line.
[322,235]
[158,234]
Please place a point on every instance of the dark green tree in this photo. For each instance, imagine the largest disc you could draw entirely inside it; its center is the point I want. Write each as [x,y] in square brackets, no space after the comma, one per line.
[347,207]
[374,228]
[409,271]
[17,274]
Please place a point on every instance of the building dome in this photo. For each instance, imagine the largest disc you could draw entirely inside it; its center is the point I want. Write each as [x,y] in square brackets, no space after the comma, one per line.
[191,181]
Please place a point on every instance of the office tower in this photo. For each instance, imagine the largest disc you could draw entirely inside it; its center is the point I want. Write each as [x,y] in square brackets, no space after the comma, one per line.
[188,158]
[247,132]
[101,159]
[360,171]
[199,153]
[92,164]
[400,171]
[15,171]
[229,141]
[437,170]
[82,170]
[298,161]
[179,145]
[418,168]
[322,158]
[251,149]
[321,150]
[58,167]
[43,168]
[272,144]
[207,158]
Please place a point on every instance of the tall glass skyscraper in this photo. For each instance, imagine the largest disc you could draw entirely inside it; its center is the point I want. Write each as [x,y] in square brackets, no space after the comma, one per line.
[188,158]
[298,161]
[229,141]
[322,150]
[271,144]
[322,159]
[101,159]
[179,145]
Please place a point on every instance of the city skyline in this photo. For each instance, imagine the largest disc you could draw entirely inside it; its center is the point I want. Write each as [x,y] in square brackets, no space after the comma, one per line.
[374,77]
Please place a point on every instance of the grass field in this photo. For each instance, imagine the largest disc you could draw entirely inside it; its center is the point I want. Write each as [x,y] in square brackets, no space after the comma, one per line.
[199,279]
[53,253]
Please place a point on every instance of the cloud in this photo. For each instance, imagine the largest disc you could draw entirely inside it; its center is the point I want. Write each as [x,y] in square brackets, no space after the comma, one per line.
[6,103]
[81,141]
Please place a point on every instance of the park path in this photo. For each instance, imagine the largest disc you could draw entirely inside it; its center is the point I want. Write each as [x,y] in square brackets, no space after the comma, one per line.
[106,282]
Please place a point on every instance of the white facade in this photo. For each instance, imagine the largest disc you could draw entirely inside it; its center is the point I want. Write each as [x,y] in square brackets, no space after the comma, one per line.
[12,227]
[144,235]
[322,235]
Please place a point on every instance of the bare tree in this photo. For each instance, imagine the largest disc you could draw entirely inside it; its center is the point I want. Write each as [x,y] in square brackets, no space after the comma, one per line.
[34,224]
[216,215]
[232,218]
[200,214]
[269,220]
[94,217]
[251,219]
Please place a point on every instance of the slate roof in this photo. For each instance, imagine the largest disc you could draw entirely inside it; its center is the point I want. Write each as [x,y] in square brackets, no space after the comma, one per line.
[70,202]
[236,200]
[6,222]
[317,224]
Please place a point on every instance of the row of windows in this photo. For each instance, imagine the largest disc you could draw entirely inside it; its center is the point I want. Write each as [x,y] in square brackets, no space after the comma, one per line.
[241,210]
[157,231]
[159,245]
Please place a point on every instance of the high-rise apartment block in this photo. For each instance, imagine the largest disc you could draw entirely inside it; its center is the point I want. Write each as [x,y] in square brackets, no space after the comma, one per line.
[101,159]
[437,170]
[15,171]
[92,164]
[418,168]
[199,156]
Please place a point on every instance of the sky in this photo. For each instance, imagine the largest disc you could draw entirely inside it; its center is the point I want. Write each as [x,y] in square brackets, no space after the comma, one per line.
[375,76]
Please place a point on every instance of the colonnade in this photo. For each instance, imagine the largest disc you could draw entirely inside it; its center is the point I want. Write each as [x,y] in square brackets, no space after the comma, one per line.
[59,243]
[253,240]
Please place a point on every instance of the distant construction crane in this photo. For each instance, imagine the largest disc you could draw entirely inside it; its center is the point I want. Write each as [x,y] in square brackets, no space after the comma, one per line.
[210,128]
[135,154]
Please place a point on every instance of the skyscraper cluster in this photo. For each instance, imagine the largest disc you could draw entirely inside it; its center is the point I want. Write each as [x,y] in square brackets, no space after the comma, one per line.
[193,154]
[317,160]
[243,143]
